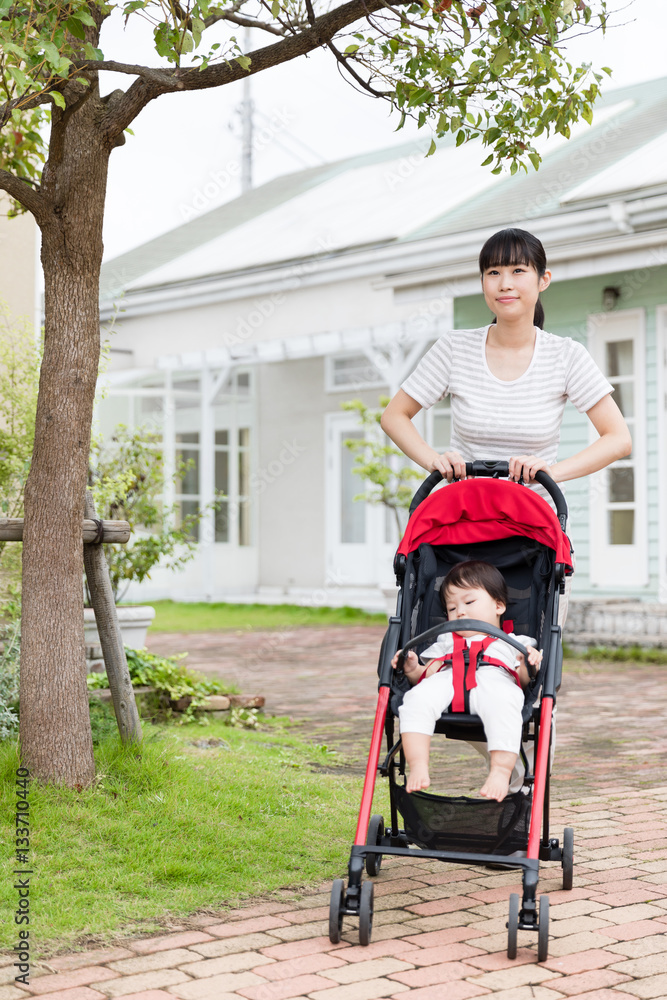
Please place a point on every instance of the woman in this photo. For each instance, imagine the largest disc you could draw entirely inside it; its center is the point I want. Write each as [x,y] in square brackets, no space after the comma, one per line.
[509,381]
[508,384]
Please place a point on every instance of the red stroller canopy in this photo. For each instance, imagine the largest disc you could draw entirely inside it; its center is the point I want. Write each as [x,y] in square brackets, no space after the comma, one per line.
[481,510]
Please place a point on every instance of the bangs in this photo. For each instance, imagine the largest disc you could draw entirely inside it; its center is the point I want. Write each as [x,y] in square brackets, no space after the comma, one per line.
[510,248]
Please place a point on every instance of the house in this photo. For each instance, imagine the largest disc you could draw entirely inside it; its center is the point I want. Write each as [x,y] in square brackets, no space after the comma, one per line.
[19,289]
[239,334]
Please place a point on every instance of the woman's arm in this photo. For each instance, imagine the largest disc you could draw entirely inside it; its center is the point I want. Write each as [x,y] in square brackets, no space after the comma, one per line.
[613,443]
[397,424]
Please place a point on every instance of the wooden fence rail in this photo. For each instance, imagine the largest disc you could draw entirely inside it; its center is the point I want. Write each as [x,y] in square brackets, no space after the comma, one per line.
[94,533]
[11,530]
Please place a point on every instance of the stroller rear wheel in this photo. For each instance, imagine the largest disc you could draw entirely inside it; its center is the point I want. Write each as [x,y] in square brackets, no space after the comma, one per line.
[513,925]
[374,838]
[336,907]
[543,930]
[366,912]
[568,857]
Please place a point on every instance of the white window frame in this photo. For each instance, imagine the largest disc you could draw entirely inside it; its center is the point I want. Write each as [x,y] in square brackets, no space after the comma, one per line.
[442,406]
[661,409]
[620,566]
[329,373]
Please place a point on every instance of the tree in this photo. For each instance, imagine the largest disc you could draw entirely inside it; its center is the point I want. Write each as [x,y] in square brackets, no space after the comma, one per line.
[387,477]
[491,70]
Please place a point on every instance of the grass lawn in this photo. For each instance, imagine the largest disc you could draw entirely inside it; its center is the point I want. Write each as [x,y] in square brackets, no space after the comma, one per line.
[171,616]
[174,828]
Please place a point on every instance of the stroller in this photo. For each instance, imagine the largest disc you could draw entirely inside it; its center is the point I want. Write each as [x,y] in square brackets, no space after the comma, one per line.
[511,527]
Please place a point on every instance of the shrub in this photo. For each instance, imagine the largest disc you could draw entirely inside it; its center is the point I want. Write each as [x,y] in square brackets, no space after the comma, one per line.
[9,680]
[171,680]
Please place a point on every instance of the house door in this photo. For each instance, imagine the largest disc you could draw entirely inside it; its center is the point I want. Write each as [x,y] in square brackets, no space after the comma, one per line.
[662,452]
[360,542]
[618,494]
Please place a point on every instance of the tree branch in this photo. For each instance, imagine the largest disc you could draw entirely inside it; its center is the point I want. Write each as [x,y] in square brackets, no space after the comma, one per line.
[246,22]
[24,104]
[26,195]
[147,88]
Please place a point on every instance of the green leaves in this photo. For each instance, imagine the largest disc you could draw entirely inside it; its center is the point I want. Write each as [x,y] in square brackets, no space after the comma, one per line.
[492,72]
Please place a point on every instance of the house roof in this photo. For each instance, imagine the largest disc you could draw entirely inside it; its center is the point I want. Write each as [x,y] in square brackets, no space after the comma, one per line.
[398,195]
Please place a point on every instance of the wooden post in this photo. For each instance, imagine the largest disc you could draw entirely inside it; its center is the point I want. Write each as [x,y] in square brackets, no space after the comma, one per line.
[101,595]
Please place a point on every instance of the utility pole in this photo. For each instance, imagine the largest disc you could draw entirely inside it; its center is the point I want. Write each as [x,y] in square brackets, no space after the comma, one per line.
[246,126]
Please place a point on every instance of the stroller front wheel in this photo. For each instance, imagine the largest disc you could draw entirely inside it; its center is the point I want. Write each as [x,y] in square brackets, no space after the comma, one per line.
[543,930]
[366,913]
[336,906]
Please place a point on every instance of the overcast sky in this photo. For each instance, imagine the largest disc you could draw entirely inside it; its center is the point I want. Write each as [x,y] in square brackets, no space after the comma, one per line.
[184,157]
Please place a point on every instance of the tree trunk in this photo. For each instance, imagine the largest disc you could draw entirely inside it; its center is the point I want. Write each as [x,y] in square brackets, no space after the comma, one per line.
[55,734]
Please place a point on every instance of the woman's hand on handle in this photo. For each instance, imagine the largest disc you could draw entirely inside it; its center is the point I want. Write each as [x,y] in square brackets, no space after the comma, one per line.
[450,464]
[527,466]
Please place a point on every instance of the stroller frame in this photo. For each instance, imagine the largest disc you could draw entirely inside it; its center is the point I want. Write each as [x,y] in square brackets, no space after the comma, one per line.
[372,840]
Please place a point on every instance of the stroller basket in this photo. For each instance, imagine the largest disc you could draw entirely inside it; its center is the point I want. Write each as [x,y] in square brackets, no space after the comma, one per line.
[463,824]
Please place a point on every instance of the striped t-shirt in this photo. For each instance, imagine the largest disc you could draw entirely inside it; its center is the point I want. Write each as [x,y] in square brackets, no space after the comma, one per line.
[495,419]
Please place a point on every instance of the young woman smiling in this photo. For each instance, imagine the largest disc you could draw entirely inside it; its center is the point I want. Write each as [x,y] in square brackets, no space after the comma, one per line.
[509,381]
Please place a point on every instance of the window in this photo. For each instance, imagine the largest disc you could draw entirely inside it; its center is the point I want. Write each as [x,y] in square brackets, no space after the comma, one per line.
[352,371]
[619,547]
[621,494]
[188,482]
[209,449]
[440,421]
[233,517]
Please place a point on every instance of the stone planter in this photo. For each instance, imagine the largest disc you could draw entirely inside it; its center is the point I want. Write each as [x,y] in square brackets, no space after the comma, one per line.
[134,623]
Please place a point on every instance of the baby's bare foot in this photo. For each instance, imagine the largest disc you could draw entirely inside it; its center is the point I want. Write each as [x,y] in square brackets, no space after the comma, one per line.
[418,778]
[497,784]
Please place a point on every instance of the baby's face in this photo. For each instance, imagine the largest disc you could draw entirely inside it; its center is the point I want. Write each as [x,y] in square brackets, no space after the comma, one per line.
[472,602]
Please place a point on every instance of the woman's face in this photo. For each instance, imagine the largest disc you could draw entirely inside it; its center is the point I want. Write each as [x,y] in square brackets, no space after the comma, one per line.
[511,290]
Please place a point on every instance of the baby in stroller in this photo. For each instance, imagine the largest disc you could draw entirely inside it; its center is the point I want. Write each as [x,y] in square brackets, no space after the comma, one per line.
[489,671]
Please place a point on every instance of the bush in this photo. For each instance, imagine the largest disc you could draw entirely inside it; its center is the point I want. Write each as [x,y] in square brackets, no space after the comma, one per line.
[9,680]
[171,680]
[20,359]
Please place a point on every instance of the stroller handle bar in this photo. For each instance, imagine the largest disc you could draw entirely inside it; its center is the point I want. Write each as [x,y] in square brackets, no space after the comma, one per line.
[496,470]
[467,625]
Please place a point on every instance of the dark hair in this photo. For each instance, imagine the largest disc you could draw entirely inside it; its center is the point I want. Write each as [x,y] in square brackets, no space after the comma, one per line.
[475,573]
[515,246]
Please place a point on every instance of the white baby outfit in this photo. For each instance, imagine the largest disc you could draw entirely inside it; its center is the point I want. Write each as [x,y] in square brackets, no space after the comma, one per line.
[497,698]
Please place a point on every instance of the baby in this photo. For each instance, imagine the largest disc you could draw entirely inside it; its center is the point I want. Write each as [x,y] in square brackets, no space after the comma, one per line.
[477,590]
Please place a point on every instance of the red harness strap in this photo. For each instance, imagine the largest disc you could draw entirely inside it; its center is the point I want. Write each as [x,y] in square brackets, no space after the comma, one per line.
[464,661]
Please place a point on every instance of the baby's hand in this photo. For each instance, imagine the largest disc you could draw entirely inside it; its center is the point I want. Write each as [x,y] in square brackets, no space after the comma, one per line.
[411,664]
[534,656]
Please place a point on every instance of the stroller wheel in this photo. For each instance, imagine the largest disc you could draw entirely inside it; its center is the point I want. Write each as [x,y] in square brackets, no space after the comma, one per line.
[568,857]
[513,925]
[375,834]
[336,910]
[366,912]
[543,930]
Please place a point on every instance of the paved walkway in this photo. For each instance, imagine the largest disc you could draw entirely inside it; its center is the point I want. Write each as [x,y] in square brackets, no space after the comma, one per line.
[439,931]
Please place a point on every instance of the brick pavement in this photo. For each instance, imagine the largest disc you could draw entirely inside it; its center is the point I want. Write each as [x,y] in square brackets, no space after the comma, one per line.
[439,930]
